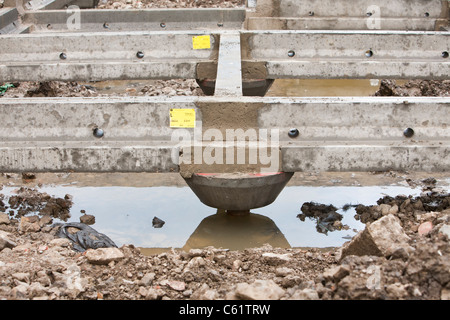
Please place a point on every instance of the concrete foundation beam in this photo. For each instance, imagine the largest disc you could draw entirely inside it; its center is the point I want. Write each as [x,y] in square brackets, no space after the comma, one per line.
[111,55]
[273,134]
[10,23]
[265,55]
[351,54]
[136,20]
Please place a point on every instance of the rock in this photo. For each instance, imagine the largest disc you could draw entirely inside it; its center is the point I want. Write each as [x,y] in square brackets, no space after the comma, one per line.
[157,223]
[276,259]
[22,276]
[335,274]
[103,255]
[60,242]
[283,271]
[195,262]
[445,230]
[147,279]
[87,219]
[204,293]
[445,294]
[45,220]
[5,241]
[195,253]
[177,285]
[4,219]
[425,228]
[37,290]
[379,238]
[29,224]
[305,294]
[397,291]
[259,290]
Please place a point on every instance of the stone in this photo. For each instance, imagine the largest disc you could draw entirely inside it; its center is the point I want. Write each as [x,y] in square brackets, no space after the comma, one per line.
[22,276]
[4,219]
[103,255]
[204,293]
[380,238]
[335,274]
[445,230]
[425,228]
[259,290]
[305,294]
[5,241]
[60,242]
[276,259]
[87,219]
[177,285]
[445,294]
[147,279]
[397,290]
[283,271]
[29,224]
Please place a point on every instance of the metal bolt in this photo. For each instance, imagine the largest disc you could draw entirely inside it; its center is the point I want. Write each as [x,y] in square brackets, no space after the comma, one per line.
[63,56]
[293,133]
[369,53]
[408,132]
[291,53]
[106,25]
[445,54]
[140,54]
[98,133]
[162,25]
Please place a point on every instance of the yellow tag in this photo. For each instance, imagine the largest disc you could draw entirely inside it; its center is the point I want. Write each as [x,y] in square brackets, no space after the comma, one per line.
[182,118]
[201,42]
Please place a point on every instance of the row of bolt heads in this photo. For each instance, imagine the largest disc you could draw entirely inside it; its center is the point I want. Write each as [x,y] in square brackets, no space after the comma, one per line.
[293,133]
[291,53]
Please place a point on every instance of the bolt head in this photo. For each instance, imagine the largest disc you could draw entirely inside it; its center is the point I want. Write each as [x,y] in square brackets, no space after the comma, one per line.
[293,133]
[98,133]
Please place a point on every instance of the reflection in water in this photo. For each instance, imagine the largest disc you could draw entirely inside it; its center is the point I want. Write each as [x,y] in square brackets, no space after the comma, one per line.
[125,214]
[236,232]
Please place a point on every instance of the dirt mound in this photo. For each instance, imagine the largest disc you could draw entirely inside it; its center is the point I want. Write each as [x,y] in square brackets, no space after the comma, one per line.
[415,88]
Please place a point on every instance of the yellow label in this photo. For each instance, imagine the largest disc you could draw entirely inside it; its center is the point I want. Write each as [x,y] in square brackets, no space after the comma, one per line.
[201,42]
[182,118]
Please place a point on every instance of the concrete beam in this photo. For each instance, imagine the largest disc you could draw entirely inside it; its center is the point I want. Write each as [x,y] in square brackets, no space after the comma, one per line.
[344,23]
[137,20]
[48,4]
[426,15]
[354,8]
[10,23]
[229,74]
[351,54]
[282,54]
[102,56]
[332,134]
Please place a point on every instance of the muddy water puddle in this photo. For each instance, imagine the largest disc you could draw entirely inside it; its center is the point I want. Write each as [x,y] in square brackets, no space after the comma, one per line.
[125,213]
